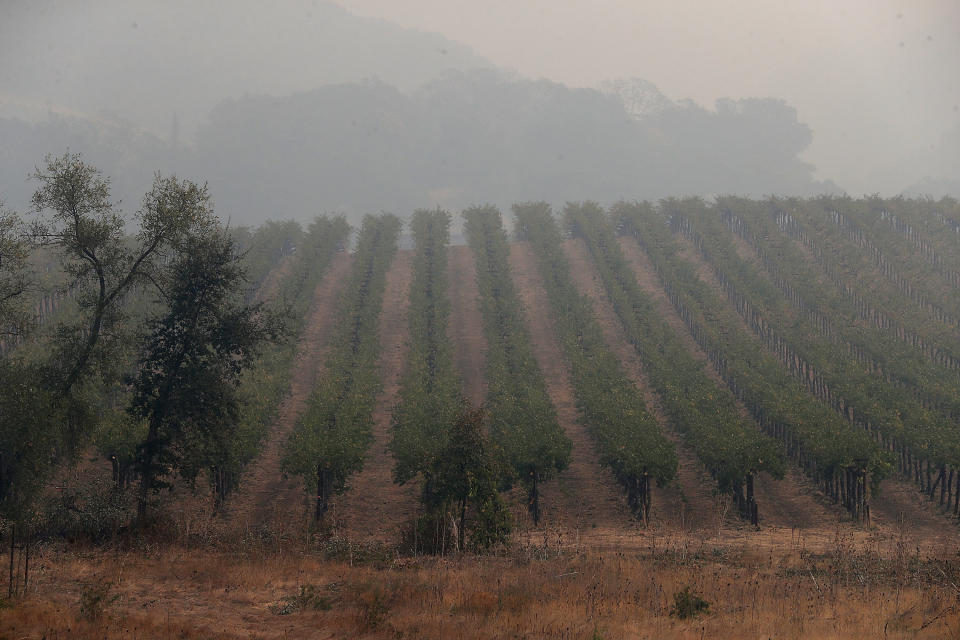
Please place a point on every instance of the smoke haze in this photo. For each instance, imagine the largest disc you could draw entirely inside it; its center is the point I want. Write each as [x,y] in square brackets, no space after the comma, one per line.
[365,105]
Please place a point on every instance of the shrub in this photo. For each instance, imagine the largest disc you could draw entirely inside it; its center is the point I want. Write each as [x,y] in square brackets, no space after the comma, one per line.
[688,605]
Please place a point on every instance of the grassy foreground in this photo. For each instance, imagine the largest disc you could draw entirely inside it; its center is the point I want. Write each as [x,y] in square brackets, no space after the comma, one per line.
[785,584]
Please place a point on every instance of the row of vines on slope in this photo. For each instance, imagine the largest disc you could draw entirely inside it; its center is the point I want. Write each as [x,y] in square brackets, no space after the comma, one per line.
[844,460]
[611,408]
[891,413]
[523,423]
[430,389]
[705,413]
[833,316]
[432,412]
[330,440]
[838,317]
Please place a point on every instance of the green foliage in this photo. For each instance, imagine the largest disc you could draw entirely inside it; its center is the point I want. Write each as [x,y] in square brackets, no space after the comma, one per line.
[430,390]
[81,222]
[31,419]
[263,248]
[522,421]
[330,440]
[89,511]
[463,483]
[308,598]
[627,435]
[96,598]
[779,403]
[703,411]
[688,605]
[879,371]
[14,280]
[188,375]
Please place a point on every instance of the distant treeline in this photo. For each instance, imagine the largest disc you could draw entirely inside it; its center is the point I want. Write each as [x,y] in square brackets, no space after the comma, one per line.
[465,138]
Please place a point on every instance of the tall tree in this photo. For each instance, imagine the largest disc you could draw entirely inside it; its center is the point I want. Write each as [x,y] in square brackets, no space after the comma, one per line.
[464,483]
[186,388]
[79,219]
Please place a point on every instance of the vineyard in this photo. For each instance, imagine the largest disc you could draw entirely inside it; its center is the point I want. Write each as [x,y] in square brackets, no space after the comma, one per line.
[743,368]
[818,337]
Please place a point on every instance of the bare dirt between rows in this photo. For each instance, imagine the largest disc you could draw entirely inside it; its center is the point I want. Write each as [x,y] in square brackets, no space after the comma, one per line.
[374,507]
[585,497]
[688,501]
[266,497]
[465,328]
[785,503]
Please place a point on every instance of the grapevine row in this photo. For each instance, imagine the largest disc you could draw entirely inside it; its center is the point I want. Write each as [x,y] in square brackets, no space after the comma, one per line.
[832,314]
[329,441]
[523,422]
[844,460]
[627,436]
[704,412]
[430,398]
[890,413]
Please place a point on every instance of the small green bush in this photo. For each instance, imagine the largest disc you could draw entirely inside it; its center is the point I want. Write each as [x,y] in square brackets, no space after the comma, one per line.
[95,599]
[307,598]
[688,605]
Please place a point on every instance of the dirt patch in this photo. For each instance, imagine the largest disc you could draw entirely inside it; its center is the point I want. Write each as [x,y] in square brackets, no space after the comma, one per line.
[374,507]
[465,328]
[899,506]
[266,497]
[585,496]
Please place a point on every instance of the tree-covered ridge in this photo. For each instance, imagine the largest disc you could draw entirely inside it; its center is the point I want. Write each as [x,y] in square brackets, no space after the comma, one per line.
[330,440]
[627,436]
[523,423]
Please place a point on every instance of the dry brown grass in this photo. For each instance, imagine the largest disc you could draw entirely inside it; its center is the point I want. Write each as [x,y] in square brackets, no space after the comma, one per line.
[784,584]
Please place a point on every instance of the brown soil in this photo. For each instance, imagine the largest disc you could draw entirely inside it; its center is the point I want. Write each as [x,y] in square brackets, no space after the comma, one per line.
[265,495]
[465,328]
[585,495]
[687,501]
[782,503]
[374,507]
[900,507]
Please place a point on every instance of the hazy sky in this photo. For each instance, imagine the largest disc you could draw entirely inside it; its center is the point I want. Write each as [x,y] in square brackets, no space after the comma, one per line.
[877,80]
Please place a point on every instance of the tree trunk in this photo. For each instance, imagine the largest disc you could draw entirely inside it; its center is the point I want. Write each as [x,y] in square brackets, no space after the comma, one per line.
[463,522]
[943,485]
[13,540]
[146,475]
[323,492]
[534,503]
[956,496]
[26,561]
[751,503]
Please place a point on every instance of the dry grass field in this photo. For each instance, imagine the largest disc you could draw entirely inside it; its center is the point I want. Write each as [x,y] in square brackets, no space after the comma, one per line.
[589,571]
[774,583]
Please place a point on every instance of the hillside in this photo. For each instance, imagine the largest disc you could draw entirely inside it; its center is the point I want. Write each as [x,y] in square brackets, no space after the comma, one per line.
[810,330]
